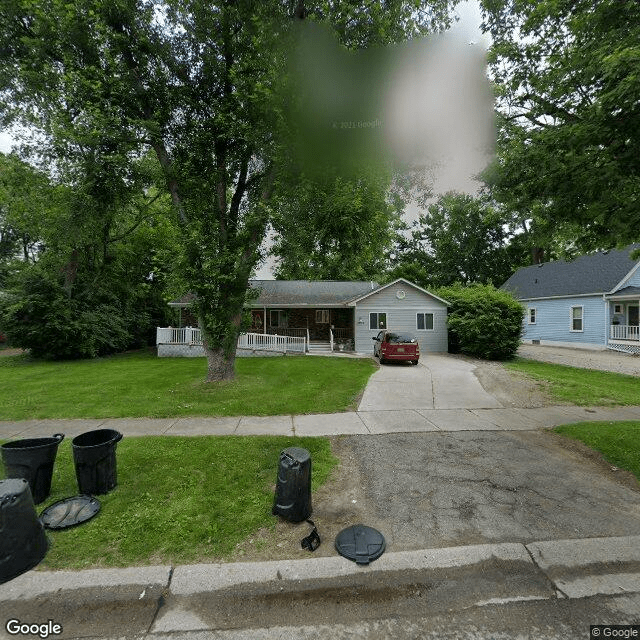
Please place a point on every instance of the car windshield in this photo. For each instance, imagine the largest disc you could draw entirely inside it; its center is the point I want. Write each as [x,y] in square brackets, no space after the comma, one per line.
[396,338]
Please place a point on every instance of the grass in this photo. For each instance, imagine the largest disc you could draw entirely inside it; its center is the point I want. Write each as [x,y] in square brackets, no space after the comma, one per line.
[618,442]
[179,500]
[140,384]
[584,387]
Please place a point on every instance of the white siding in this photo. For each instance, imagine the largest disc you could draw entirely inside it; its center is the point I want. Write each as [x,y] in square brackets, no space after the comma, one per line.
[401,317]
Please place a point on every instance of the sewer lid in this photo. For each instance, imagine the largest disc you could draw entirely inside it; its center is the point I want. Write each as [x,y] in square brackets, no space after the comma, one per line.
[360,543]
[69,512]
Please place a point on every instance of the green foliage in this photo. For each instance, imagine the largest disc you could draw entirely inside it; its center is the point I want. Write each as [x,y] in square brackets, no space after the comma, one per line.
[461,239]
[334,228]
[40,316]
[567,75]
[198,85]
[484,322]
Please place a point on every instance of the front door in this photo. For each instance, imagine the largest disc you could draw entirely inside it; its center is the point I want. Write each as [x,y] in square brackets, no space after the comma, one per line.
[633,316]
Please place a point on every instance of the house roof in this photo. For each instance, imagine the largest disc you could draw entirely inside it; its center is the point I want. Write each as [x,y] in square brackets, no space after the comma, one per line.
[597,273]
[300,293]
[411,284]
[297,293]
[627,291]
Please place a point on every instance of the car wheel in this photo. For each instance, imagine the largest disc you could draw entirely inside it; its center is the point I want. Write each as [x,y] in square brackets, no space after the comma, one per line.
[414,362]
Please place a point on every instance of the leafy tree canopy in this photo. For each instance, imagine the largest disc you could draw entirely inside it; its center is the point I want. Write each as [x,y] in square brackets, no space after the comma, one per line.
[566,72]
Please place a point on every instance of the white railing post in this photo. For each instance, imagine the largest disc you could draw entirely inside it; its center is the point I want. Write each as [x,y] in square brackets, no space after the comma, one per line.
[331,338]
[306,348]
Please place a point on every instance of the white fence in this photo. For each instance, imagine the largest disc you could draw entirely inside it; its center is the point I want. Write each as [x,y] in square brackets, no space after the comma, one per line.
[624,332]
[261,341]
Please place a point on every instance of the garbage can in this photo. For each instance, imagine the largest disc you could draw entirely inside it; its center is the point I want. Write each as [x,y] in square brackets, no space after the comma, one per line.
[293,487]
[23,543]
[33,460]
[94,456]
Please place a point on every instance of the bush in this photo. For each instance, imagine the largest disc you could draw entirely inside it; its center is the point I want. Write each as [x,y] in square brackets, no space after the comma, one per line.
[39,315]
[484,322]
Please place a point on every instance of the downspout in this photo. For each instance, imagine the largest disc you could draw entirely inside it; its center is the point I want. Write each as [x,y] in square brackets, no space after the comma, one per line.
[607,323]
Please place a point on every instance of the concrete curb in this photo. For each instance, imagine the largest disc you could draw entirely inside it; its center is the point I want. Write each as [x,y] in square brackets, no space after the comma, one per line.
[206,596]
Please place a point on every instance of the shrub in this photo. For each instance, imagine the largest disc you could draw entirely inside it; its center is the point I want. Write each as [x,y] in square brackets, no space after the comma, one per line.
[39,315]
[484,322]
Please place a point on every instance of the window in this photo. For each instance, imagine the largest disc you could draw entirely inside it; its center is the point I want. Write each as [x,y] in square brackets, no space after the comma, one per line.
[322,316]
[377,321]
[424,322]
[277,318]
[532,315]
[617,308]
[576,318]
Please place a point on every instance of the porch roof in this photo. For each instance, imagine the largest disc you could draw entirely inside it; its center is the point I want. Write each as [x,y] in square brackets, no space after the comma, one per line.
[308,293]
[632,293]
[299,293]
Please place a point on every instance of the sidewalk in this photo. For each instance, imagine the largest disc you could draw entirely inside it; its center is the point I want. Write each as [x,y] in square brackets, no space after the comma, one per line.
[331,424]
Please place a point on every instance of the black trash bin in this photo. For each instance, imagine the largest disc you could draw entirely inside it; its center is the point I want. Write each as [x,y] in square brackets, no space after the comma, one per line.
[94,456]
[293,487]
[33,460]
[23,543]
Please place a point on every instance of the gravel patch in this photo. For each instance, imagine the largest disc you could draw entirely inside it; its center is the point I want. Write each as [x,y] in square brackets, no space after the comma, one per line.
[601,360]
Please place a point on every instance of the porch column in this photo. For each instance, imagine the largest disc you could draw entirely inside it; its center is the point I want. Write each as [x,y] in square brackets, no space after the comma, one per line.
[264,326]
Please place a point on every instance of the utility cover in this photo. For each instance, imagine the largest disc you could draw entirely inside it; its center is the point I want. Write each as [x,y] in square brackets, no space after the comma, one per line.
[70,512]
[360,543]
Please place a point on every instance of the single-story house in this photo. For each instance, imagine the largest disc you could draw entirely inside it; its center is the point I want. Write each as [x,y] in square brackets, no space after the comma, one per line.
[338,315]
[590,303]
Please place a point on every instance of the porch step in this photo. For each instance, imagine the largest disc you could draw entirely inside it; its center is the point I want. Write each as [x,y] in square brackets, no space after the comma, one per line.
[315,346]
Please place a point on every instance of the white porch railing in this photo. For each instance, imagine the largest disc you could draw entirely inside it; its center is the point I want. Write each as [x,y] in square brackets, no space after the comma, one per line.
[288,331]
[192,335]
[624,332]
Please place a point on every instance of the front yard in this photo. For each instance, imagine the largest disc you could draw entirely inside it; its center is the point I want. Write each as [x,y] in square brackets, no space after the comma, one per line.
[583,387]
[139,384]
[178,500]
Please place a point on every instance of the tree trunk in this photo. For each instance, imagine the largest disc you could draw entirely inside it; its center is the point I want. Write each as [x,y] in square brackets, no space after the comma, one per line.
[537,255]
[219,366]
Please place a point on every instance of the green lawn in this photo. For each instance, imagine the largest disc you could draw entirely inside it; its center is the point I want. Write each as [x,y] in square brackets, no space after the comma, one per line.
[178,499]
[140,384]
[618,442]
[582,386]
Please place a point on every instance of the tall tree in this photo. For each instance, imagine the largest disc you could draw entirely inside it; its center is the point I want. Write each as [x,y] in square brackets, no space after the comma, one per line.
[197,83]
[569,95]
[335,228]
[459,239]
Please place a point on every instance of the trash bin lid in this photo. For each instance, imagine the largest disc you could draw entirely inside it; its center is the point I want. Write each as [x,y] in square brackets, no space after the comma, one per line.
[360,543]
[69,512]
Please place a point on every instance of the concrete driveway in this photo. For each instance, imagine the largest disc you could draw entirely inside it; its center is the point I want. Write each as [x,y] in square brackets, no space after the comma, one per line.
[437,382]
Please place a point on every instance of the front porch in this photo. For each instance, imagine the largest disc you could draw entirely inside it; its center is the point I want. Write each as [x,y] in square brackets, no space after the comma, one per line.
[624,330]
[325,330]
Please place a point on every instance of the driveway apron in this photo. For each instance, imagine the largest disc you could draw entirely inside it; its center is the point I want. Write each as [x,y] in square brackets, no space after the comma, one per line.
[438,382]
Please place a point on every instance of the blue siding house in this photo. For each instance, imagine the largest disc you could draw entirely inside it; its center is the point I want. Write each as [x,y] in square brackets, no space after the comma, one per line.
[591,302]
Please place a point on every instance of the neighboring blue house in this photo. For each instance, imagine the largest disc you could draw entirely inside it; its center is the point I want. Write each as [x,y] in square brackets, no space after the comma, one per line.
[590,303]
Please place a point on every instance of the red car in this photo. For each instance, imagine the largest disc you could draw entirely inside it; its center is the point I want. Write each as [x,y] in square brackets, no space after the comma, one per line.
[390,345]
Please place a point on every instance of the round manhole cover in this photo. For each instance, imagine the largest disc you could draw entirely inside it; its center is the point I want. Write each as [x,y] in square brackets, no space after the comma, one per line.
[70,512]
[360,543]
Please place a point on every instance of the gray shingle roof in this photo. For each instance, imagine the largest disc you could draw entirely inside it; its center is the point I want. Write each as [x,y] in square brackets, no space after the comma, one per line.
[275,293]
[628,291]
[596,273]
[308,292]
